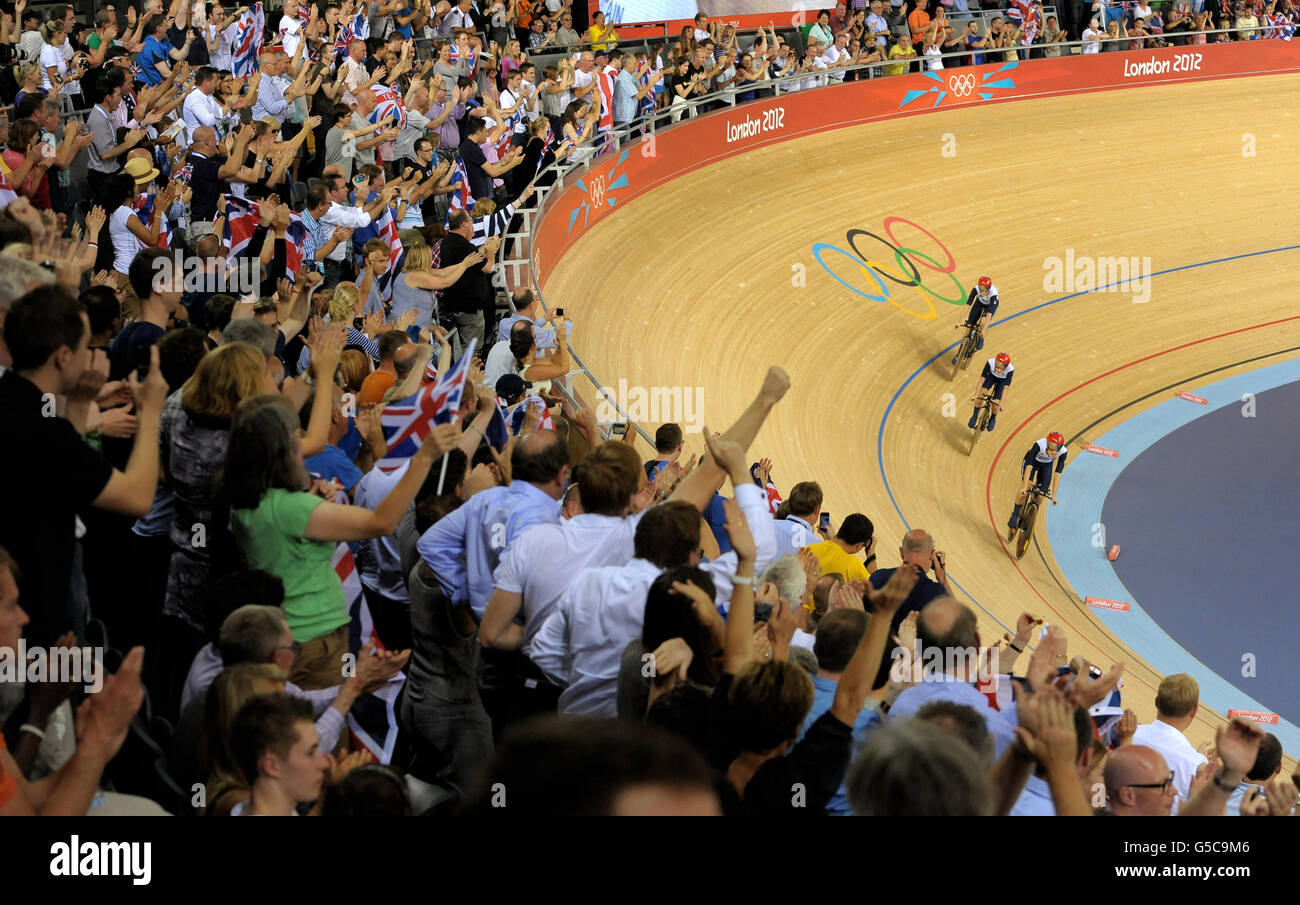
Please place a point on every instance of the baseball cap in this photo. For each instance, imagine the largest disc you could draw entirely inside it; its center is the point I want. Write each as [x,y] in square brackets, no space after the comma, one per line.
[511,386]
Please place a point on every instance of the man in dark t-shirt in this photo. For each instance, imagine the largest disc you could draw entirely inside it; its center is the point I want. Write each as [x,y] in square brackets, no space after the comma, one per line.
[917,550]
[55,474]
[480,183]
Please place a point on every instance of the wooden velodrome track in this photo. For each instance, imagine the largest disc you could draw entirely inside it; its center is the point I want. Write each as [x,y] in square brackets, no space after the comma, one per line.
[695,289]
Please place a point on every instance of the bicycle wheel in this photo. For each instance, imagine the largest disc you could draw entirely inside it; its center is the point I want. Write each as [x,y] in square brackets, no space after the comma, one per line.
[1026,529]
[963,355]
[981,424]
[970,351]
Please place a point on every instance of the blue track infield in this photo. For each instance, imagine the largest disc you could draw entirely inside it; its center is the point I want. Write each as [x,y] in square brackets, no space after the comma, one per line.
[1204,503]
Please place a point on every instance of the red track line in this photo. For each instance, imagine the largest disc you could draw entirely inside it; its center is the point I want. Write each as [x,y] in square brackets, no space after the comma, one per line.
[988,487]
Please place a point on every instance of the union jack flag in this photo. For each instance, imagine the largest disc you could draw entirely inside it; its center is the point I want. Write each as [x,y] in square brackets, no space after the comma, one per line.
[242,217]
[144,211]
[773,495]
[497,434]
[295,244]
[1031,22]
[1280,27]
[461,197]
[358,28]
[248,40]
[185,173]
[388,103]
[534,402]
[406,423]
[605,82]
[467,56]
[646,105]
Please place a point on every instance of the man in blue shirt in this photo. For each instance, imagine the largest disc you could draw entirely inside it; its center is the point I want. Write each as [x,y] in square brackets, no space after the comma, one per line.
[838,636]
[155,60]
[464,548]
[949,628]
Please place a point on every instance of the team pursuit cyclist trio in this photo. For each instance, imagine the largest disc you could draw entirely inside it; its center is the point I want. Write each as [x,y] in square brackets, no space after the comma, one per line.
[1045,460]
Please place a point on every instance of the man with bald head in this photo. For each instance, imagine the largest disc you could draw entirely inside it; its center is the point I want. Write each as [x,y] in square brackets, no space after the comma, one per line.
[948,635]
[211,177]
[1138,782]
[464,548]
[917,551]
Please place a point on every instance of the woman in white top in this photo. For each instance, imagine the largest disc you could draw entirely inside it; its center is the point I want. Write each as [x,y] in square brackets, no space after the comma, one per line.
[1141,11]
[537,371]
[931,50]
[53,65]
[130,236]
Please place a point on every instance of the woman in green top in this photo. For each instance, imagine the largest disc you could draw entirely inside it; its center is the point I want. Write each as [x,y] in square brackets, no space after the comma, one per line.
[290,527]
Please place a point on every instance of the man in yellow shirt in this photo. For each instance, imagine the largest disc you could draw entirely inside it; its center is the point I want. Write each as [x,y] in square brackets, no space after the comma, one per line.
[840,553]
[903,50]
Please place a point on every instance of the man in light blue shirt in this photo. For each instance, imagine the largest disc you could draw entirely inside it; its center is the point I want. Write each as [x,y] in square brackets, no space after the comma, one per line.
[526,310]
[799,529]
[464,548]
[271,93]
[628,91]
[838,636]
[950,628]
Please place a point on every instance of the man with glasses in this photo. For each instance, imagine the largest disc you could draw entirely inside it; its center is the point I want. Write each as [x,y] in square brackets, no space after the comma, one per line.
[566,34]
[257,633]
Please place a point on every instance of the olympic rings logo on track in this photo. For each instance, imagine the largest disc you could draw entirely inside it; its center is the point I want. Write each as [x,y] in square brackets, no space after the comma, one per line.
[962,85]
[909,260]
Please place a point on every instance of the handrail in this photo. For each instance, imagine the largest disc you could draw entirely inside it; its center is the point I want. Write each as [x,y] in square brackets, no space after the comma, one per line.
[646,126]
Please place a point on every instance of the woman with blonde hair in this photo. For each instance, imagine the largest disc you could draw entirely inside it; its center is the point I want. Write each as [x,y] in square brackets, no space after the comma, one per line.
[228,789]
[414,287]
[30,80]
[194,433]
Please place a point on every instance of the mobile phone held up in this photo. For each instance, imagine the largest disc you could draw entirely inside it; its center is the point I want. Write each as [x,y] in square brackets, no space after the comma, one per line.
[619,429]
[559,312]
[762,612]
[825,523]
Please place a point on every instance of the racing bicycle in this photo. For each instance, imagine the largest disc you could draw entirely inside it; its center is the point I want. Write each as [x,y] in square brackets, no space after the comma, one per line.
[966,351]
[987,405]
[1025,524]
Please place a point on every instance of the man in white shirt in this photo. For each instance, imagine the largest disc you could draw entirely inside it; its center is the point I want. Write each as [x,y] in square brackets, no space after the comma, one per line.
[290,28]
[580,646]
[1177,702]
[813,62]
[584,80]
[343,215]
[200,109]
[354,70]
[29,45]
[837,56]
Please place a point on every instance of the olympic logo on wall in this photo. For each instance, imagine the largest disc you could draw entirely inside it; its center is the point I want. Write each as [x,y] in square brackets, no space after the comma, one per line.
[910,261]
[597,192]
[961,85]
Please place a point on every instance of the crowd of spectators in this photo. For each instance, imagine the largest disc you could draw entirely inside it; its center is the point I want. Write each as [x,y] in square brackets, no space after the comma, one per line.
[303,596]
